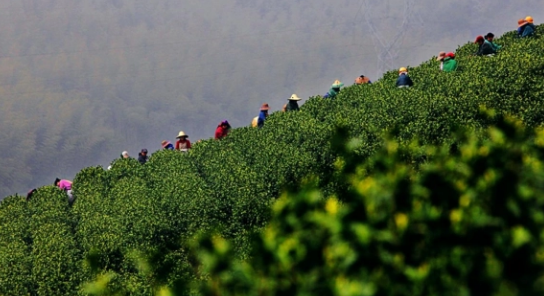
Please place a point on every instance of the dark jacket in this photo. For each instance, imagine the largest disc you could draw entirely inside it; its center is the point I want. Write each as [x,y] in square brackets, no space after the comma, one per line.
[142,158]
[262,118]
[291,106]
[169,146]
[485,49]
[30,193]
[404,80]
[526,30]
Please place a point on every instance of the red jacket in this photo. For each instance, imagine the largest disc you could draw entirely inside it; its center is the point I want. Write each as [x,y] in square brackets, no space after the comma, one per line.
[183,145]
[221,132]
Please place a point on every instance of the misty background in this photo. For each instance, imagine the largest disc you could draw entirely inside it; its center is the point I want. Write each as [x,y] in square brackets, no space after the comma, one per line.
[81,81]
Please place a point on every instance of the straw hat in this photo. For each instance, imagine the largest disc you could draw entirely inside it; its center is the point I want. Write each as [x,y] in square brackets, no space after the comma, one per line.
[294,97]
[402,69]
[529,19]
[181,135]
[265,107]
[164,143]
[441,56]
[337,84]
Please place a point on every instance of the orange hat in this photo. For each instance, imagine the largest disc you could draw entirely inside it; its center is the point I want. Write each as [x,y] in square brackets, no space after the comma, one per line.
[479,38]
[265,107]
[529,19]
[522,23]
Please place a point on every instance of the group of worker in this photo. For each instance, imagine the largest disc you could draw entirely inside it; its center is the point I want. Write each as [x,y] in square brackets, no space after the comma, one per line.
[486,47]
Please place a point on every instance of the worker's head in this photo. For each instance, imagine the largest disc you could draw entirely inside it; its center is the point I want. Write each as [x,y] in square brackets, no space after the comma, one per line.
[479,40]
[57,181]
[489,36]
[225,123]
[360,79]
[403,70]
[450,55]
[337,85]
[182,136]
[144,151]
[294,97]
[441,55]
[265,108]
[529,19]
[124,154]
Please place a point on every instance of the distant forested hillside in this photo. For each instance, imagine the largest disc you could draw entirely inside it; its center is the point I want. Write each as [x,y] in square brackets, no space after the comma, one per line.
[81,81]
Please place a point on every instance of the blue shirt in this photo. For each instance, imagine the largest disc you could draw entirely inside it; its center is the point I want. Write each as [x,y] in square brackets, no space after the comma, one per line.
[262,118]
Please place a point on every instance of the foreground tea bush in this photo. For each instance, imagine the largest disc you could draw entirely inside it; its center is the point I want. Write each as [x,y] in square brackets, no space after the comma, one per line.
[467,223]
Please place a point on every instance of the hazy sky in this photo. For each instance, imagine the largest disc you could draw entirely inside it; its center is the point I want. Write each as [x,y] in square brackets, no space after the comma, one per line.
[144,70]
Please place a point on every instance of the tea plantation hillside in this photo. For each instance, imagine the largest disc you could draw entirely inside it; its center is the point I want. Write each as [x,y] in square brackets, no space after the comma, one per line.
[384,156]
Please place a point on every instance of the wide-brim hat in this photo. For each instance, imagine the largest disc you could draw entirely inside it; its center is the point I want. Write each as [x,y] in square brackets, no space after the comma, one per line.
[403,69]
[265,107]
[294,97]
[529,19]
[441,56]
[181,135]
[337,84]
[164,143]
[522,23]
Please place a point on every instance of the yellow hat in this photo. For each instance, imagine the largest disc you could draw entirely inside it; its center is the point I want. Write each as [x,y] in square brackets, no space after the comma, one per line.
[294,97]
[181,135]
[403,69]
[529,19]
[337,84]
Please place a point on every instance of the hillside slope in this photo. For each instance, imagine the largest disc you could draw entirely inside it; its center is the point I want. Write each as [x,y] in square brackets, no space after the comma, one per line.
[230,184]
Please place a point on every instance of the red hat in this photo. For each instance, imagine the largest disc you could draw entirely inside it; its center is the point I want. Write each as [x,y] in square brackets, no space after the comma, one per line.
[479,38]
[265,107]
[450,55]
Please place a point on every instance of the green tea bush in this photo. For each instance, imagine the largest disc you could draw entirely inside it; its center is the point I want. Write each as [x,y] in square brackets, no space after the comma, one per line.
[54,252]
[15,247]
[132,227]
[463,224]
